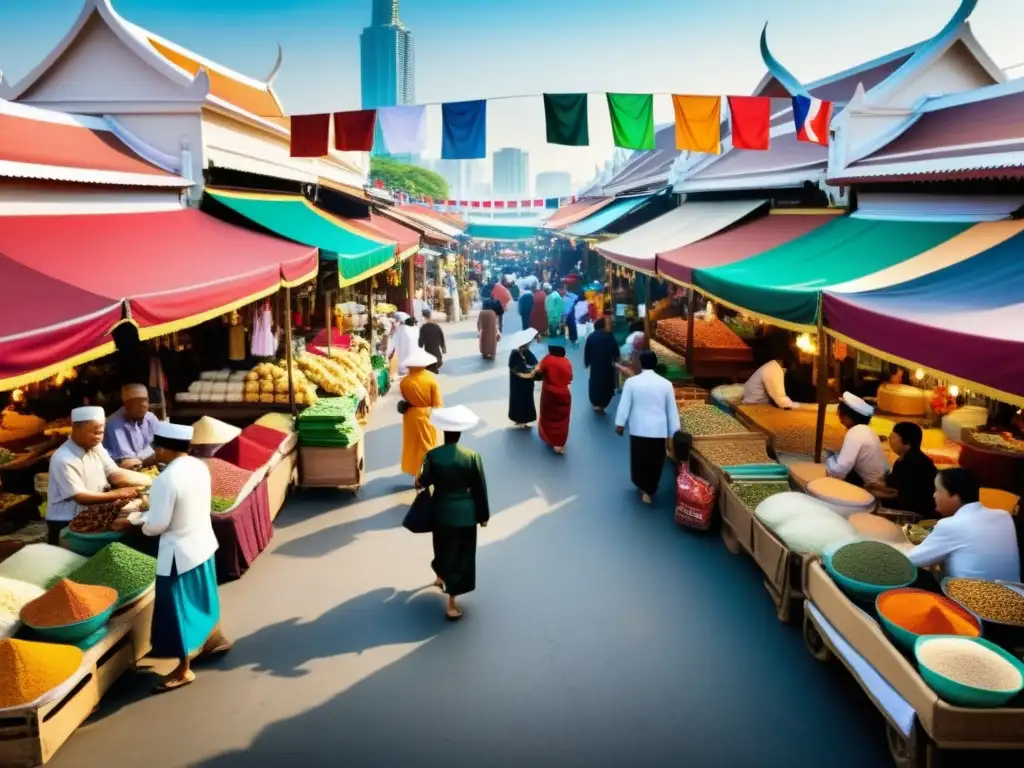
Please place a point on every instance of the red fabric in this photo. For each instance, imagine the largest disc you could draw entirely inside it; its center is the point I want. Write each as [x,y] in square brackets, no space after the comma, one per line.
[513,204]
[310,135]
[555,401]
[87,266]
[242,534]
[265,436]
[384,228]
[538,203]
[353,131]
[539,315]
[750,119]
[246,453]
[501,294]
[487,203]
[36,142]
[499,203]
[475,204]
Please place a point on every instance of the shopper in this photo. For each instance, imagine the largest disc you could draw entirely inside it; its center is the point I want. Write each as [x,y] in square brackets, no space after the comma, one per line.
[421,392]
[432,340]
[600,354]
[910,486]
[539,315]
[522,411]
[454,475]
[404,341]
[648,407]
[487,330]
[525,307]
[555,398]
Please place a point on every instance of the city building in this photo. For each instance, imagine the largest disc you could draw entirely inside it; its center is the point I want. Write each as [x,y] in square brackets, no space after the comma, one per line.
[554,184]
[511,176]
[387,62]
[461,175]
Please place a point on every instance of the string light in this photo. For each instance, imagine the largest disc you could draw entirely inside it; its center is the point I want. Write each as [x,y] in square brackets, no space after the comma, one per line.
[918,374]
[954,390]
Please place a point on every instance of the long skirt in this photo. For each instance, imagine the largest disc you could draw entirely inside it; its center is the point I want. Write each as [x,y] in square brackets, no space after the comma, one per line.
[487,329]
[185,612]
[602,385]
[646,462]
[455,558]
[555,408]
[539,319]
[521,407]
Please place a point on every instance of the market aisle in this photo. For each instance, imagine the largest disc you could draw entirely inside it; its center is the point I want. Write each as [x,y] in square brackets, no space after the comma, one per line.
[600,634]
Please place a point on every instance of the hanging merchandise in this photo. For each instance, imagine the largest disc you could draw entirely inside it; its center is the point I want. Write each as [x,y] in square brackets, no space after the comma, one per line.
[404,129]
[812,117]
[464,130]
[632,116]
[750,120]
[566,119]
[263,343]
[353,131]
[236,338]
[698,123]
[310,135]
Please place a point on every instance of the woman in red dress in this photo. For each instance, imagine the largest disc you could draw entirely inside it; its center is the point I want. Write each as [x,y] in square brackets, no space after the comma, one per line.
[555,398]
[539,315]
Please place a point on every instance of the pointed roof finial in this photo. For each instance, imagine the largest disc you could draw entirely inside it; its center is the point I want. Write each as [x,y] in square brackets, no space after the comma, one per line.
[277,66]
[786,78]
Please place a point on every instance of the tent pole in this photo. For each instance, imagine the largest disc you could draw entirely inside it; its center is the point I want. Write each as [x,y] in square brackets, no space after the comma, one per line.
[691,310]
[610,309]
[327,317]
[288,347]
[647,311]
[822,365]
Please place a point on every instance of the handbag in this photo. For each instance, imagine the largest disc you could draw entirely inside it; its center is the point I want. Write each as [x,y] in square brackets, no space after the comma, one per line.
[403,406]
[419,518]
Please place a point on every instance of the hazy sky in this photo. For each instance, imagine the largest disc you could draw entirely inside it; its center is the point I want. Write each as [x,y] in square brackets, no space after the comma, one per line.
[468,49]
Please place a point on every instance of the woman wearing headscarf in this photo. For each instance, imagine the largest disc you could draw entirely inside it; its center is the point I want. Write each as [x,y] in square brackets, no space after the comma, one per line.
[539,315]
[186,611]
[487,330]
[458,503]
[555,398]
[555,307]
[421,392]
[600,354]
[521,363]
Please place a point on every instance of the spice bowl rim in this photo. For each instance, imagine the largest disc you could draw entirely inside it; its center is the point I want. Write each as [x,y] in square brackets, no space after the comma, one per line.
[862,588]
[996,622]
[55,630]
[895,630]
[994,698]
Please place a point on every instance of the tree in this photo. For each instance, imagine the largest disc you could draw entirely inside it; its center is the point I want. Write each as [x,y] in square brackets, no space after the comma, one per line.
[408,178]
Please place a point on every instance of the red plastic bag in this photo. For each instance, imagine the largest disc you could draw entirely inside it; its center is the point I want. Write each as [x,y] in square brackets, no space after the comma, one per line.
[695,500]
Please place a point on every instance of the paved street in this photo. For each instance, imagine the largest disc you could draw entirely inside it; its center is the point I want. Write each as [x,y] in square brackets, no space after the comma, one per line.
[600,634]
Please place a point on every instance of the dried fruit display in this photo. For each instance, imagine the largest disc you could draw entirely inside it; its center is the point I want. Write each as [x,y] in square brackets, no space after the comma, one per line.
[97,518]
[712,334]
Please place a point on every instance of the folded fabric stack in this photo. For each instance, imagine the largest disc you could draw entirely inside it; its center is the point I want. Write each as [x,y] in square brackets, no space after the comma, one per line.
[331,423]
[222,386]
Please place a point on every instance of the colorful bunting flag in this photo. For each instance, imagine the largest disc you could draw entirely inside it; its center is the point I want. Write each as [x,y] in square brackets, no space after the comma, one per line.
[353,131]
[567,120]
[632,116]
[464,130]
[750,121]
[812,117]
[698,123]
[403,129]
[310,135]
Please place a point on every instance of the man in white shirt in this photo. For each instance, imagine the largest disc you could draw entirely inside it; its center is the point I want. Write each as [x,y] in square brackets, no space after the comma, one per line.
[81,471]
[405,340]
[971,541]
[767,386]
[861,460]
[648,406]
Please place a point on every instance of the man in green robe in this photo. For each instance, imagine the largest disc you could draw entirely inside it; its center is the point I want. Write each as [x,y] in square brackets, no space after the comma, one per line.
[554,305]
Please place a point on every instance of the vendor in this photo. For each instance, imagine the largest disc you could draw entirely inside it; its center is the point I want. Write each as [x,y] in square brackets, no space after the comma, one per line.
[768,384]
[81,471]
[861,460]
[970,541]
[910,486]
[129,433]
[186,611]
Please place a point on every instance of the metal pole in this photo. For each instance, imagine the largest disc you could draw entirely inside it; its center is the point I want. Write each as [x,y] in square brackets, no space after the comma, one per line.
[691,310]
[822,363]
[288,347]
[330,323]
[647,312]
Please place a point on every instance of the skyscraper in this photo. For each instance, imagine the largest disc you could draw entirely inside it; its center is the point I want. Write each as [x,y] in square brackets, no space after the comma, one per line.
[387,61]
[511,173]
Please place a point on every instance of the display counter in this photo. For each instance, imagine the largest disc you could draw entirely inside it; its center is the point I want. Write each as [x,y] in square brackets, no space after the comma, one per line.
[243,533]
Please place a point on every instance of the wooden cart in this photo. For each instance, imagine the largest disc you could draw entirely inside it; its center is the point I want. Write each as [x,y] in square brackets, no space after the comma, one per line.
[332,467]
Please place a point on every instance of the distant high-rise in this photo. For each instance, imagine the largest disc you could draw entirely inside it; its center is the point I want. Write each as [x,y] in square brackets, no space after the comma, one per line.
[387,61]
[554,184]
[511,173]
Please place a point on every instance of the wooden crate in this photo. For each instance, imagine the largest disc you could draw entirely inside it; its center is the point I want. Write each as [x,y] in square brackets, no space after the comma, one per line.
[783,570]
[30,736]
[331,467]
[737,522]
[280,481]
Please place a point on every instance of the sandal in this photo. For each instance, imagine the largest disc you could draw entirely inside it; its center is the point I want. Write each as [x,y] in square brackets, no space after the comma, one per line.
[438,583]
[453,616]
[174,683]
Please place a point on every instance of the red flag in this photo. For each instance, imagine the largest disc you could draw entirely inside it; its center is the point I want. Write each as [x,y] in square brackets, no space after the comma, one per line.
[750,120]
[450,203]
[353,131]
[513,204]
[378,184]
[463,204]
[499,203]
[487,203]
[310,135]
[429,201]
[475,204]
[538,203]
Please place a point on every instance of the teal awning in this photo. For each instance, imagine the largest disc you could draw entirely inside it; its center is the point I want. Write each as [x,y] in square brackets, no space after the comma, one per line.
[606,216]
[500,232]
[295,218]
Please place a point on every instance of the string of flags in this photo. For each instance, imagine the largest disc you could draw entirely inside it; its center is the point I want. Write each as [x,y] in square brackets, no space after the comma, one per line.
[698,125]
[404,198]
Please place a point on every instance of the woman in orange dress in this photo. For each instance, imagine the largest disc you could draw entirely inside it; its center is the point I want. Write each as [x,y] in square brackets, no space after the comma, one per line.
[555,398]
[421,393]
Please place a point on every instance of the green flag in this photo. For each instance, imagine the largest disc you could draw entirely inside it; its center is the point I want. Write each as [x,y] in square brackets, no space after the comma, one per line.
[632,117]
[567,120]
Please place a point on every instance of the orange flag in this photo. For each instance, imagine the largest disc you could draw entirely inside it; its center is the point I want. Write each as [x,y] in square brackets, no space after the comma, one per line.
[698,123]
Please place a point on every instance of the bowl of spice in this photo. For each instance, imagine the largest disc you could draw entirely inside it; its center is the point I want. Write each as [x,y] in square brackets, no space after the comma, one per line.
[121,568]
[907,614]
[32,670]
[968,671]
[999,606]
[70,613]
[865,569]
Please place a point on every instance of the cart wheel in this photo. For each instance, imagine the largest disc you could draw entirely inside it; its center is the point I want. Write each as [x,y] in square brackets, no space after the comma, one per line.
[815,643]
[732,544]
[909,751]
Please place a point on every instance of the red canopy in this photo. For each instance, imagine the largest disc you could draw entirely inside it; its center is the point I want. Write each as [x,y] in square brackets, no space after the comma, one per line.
[68,277]
[386,229]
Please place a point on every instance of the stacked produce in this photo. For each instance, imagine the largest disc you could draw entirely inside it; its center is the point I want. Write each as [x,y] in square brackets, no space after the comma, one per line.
[341,374]
[331,423]
[41,564]
[227,480]
[666,356]
[224,386]
[268,383]
[11,500]
[878,528]
[991,602]
[712,339]
[119,567]
[968,663]
[875,563]
[752,494]
[1001,441]
[18,431]
[792,430]
[925,613]
[221,504]
[384,308]
[350,316]
[97,518]
[15,595]
[31,670]
[706,419]
[726,453]
[68,603]
[803,524]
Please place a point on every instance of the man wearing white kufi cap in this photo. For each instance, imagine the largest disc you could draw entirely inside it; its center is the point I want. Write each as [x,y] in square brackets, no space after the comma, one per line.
[81,472]
[186,614]
[861,460]
[129,435]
